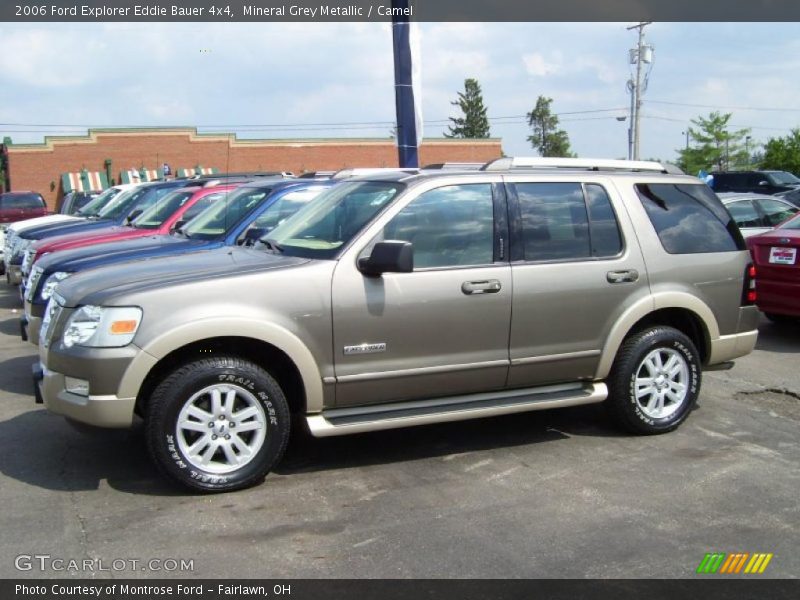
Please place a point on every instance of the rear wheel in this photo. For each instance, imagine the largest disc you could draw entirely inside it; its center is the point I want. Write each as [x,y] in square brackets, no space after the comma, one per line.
[217,424]
[655,381]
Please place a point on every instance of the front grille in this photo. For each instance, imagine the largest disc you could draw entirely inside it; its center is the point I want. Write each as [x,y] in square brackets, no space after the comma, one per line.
[33,281]
[28,260]
[49,322]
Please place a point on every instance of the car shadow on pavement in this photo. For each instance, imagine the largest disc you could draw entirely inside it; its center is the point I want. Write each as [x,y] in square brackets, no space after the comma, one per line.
[10,326]
[10,300]
[43,450]
[17,377]
[52,454]
[308,454]
[779,337]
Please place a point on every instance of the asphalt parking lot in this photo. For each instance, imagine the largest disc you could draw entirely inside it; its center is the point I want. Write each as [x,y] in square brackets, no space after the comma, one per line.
[549,494]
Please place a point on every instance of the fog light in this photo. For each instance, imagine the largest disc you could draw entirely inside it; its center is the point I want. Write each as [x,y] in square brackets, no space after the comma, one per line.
[76,386]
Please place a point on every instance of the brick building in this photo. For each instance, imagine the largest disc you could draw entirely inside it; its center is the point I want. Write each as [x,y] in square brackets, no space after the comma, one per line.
[39,167]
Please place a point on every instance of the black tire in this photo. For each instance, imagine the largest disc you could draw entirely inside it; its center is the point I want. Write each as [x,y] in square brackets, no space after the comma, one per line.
[253,387]
[629,364]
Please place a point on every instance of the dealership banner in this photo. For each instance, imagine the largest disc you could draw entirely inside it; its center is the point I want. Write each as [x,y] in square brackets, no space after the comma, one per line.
[383,10]
[398,589]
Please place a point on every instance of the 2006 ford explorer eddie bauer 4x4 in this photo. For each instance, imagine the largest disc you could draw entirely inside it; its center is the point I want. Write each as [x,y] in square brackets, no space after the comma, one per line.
[401,299]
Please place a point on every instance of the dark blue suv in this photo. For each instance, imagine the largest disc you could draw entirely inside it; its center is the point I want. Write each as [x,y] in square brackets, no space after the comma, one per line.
[248,213]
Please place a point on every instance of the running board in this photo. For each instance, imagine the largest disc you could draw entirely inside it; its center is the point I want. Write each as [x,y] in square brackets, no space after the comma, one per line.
[343,421]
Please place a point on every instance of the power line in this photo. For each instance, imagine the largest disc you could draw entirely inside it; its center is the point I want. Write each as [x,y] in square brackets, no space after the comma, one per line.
[757,108]
[287,126]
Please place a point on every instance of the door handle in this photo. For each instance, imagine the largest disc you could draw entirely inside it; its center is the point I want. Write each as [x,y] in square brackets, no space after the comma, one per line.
[489,286]
[628,276]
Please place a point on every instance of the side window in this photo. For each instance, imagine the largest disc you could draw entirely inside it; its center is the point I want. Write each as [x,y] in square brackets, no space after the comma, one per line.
[689,218]
[450,226]
[744,213]
[604,232]
[555,222]
[776,212]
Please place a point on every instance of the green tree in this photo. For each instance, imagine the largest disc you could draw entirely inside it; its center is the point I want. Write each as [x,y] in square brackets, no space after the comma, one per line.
[783,154]
[474,123]
[714,147]
[547,138]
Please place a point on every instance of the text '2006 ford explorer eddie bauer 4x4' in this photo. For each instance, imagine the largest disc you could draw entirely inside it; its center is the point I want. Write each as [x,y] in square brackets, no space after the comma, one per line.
[401,299]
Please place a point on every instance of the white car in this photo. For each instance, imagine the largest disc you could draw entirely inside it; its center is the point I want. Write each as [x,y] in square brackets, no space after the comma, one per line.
[9,238]
[757,213]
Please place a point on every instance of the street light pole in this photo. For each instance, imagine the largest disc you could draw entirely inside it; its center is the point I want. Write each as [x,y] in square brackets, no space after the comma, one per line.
[747,149]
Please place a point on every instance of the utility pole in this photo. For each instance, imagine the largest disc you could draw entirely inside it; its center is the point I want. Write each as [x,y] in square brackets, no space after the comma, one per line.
[642,54]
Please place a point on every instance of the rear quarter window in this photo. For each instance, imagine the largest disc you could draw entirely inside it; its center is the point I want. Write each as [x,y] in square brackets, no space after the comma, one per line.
[689,219]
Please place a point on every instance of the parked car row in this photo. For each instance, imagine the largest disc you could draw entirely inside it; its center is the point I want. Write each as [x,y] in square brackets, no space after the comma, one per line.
[215,310]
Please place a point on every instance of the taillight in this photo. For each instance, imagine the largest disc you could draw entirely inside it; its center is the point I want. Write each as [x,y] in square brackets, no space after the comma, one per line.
[749,291]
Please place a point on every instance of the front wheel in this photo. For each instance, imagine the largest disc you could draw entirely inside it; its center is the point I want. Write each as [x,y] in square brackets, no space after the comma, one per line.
[655,381]
[217,424]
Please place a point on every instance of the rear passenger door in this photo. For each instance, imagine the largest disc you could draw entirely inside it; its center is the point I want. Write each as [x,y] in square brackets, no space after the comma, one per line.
[576,266]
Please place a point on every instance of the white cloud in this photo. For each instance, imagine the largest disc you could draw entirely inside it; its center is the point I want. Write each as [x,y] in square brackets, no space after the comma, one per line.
[538,66]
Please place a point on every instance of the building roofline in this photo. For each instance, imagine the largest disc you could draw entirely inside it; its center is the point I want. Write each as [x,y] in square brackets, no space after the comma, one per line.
[50,141]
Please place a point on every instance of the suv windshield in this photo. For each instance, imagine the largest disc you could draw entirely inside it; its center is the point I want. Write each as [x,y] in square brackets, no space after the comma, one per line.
[98,202]
[218,218]
[320,229]
[782,178]
[141,198]
[159,212]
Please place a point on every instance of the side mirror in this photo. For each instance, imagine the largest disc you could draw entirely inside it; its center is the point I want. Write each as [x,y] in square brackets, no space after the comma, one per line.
[252,235]
[388,257]
[763,183]
[178,224]
[132,217]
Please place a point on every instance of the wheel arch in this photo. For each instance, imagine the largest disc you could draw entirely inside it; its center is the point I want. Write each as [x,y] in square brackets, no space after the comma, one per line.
[684,312]
[269,346]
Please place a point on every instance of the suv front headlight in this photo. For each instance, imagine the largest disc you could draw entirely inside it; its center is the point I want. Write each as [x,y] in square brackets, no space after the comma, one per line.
[102,327]
[50,285]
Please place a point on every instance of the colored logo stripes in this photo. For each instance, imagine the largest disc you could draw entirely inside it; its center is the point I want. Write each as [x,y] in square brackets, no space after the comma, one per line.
[735,563]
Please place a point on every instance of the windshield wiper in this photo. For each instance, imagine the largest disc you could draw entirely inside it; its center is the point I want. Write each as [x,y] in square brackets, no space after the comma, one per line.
[272,245]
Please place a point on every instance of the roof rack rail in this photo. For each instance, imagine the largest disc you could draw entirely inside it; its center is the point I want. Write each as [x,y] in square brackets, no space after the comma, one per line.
[466,166]
[355,172]
[589,164]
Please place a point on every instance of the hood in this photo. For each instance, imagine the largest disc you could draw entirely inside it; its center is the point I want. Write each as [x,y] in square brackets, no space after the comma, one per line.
[38,233]
[40,221]
[98,255]
[60,242]
[80,240]
[97,286]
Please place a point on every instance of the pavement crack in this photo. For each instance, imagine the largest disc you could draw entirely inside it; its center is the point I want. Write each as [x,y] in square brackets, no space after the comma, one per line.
[73,501]
[771,390]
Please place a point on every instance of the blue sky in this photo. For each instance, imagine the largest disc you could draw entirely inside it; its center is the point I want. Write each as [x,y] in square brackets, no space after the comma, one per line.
[248,77]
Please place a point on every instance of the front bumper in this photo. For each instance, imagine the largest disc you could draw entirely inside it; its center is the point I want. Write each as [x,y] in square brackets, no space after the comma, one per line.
[101,411]
[31,322]
[114,375]
[14,274]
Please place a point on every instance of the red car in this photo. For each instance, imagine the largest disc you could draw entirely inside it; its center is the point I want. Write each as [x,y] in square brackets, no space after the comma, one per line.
[776,255]
[172,210]
[18,206]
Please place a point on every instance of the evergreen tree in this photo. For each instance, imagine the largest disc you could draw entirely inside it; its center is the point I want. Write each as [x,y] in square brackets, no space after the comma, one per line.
[547,138]
[474,123]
